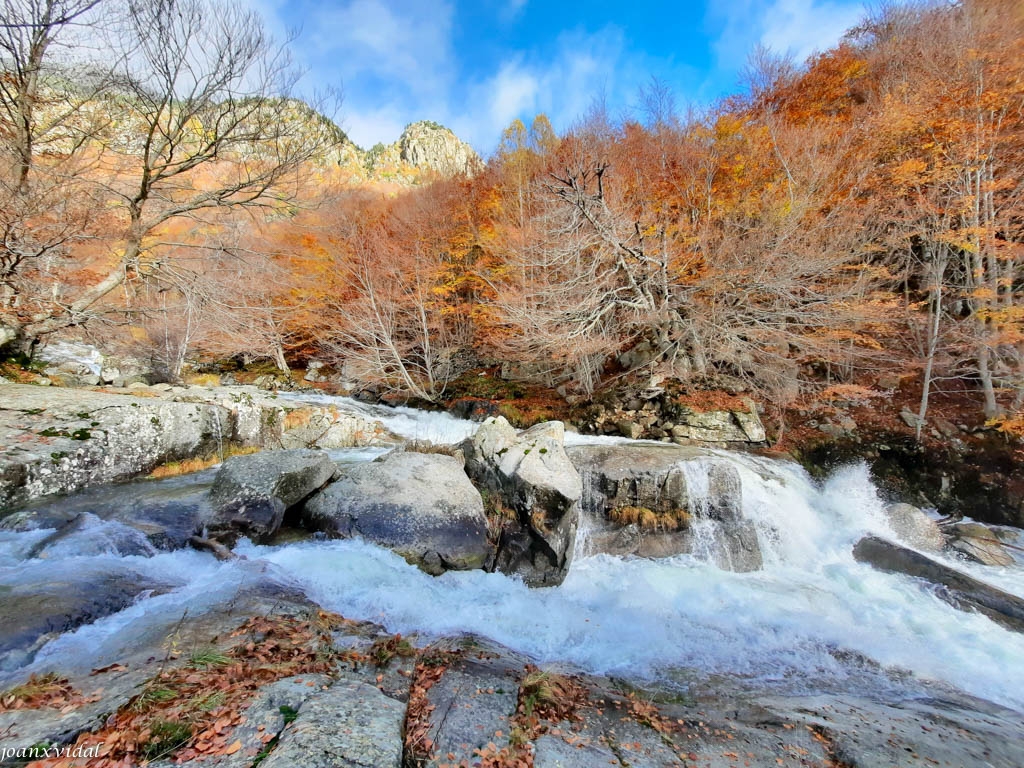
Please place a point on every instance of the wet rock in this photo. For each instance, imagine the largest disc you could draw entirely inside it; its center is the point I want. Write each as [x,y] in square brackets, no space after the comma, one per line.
[350,724]
[420,505]
[533,475]
[167,512]
[978,543]
[649,481]
[251,493]
[32,611]
[88,536]
[914,527]
[958,589]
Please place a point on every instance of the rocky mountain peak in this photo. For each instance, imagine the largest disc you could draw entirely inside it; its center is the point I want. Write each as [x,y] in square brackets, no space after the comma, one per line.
[430,146]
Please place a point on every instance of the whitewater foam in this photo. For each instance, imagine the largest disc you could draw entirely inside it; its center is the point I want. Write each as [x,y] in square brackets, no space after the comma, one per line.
[802,624]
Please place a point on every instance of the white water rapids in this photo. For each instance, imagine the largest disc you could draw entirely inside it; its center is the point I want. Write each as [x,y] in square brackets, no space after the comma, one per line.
[801,624]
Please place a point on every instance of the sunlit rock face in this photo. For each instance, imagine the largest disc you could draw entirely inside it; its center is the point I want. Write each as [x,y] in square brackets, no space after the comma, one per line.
[427,145]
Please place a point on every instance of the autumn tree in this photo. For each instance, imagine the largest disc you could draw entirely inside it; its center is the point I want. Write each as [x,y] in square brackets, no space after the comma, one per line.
[950,145]
[206,127]
[46,81]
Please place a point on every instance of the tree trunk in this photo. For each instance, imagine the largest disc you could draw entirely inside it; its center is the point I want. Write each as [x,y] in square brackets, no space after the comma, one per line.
[279,361]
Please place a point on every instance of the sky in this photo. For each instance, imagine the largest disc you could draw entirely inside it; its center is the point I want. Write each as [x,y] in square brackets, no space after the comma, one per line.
[476,65]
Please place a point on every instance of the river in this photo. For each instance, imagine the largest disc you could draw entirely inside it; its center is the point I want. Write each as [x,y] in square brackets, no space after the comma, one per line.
[812,620]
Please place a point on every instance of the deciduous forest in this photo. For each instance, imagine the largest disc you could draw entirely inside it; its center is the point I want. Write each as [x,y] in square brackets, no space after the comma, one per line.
[837,220]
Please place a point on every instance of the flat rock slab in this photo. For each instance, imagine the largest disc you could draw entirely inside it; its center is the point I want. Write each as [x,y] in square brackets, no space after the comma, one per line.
[956,588]
[55,440]
[265,718]
[350,725]
[915,733]
[469,711]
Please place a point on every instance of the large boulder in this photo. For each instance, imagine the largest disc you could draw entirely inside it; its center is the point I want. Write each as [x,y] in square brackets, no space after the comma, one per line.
[978,543]
[251,493]
[420,505]
[958,589]
[637,501]
[914,527]
[533,476]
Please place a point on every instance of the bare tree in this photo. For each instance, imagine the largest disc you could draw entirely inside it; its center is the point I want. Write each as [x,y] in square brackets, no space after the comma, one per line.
[46,81]
[210,127]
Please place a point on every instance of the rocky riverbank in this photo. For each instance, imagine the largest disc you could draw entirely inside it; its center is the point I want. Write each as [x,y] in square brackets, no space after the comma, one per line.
[296,683]
[59,440]
[269,678]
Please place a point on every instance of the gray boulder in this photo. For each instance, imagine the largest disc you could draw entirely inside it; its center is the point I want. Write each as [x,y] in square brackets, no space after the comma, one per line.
[956,588]
[251,493]
[534,477]
[637,502]
[420,505]
[914,527]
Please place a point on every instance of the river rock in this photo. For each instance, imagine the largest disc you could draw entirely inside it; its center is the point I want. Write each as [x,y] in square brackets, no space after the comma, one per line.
[420,505]
[958,589]
[349,724]
[649,480]
[534,477]
[167,512]
[978,543]
[914,527]
[89,536]
[36,608]
[251,493]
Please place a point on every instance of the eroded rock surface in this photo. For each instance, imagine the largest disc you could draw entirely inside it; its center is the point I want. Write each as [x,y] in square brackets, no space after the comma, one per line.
[251,493]
[956,588]
[531,475]
[638,502]
[420,505]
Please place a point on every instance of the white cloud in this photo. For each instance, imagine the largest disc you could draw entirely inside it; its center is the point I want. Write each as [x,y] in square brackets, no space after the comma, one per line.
[396,61]
[366,127]
[802,27]
[562,85]
[795,27]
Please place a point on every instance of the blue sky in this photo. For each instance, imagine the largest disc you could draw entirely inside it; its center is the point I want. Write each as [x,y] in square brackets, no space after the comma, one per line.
[475,66]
